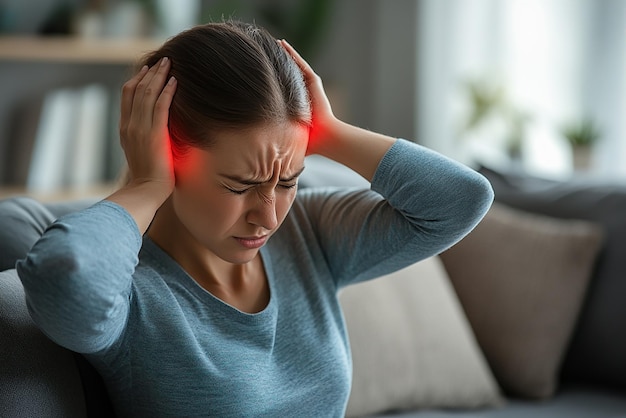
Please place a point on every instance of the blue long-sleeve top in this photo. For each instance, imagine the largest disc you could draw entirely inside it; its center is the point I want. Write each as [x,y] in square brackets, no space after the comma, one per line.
[167,347]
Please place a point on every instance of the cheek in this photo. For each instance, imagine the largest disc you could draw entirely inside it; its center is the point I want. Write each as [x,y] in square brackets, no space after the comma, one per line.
[201,207]
[284,203]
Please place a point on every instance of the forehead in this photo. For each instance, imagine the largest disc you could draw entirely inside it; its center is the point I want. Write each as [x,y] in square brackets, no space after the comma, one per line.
[256,151]
[273,138]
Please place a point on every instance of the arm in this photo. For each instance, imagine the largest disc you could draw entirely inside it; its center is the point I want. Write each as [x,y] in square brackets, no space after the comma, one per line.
[425,202]
[78,276]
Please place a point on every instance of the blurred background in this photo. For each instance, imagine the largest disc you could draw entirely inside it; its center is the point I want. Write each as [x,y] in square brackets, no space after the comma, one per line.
[531,85]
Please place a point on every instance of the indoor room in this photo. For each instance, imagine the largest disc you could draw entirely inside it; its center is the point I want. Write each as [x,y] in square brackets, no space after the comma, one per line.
[362,208]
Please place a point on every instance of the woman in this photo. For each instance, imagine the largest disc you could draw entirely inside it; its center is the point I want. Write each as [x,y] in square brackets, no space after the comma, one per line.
[204,286]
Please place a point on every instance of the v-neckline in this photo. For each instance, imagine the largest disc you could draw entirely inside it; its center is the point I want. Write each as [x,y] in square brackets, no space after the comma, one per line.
[192,285]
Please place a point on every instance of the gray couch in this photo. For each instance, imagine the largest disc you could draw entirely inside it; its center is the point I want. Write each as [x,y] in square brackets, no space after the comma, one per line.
[39,378]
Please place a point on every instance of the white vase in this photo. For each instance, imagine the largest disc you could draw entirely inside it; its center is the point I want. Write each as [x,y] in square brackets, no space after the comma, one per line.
[126,19]
[174,16]
[581,156]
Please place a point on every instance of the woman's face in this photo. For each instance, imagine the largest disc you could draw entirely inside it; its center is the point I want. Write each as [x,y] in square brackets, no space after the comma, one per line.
[232,197]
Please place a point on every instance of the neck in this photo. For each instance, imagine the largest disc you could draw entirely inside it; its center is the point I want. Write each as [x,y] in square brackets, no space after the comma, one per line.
[169,233]
[243,286]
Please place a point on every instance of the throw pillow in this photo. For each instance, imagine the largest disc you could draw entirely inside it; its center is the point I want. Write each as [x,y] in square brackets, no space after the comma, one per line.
[596,353]
[22,221]
[412,346]
[521,279]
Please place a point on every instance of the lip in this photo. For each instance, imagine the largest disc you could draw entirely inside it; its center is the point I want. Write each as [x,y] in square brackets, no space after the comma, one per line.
[252,242]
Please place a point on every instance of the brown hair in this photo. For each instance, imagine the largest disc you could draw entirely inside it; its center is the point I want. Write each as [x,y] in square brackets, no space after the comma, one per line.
[230,75]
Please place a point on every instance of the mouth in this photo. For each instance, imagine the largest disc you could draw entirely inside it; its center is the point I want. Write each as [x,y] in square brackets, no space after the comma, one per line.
[252,242]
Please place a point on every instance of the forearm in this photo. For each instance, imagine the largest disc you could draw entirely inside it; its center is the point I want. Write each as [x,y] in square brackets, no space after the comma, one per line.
[141,201]
[357,148]
[424,203]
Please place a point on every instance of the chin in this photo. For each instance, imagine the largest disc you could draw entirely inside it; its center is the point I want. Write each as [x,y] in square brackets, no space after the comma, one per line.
[243,258]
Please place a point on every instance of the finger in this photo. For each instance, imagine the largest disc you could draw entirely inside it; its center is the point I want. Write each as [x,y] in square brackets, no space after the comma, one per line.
[128,94]
[161,119]
[149,89]
[162,105]
[312,80]
[304,66]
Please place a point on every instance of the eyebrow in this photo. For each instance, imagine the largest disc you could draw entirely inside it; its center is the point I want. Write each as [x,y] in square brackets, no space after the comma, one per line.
[250,182]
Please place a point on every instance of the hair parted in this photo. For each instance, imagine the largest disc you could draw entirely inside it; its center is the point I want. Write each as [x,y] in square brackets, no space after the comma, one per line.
[231,75]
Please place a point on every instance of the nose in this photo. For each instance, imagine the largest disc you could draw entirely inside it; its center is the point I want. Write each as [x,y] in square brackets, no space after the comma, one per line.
[263,211]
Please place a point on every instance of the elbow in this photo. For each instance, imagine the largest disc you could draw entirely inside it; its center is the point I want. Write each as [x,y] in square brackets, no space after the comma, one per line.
[58,301]
[482,197]
[476,198]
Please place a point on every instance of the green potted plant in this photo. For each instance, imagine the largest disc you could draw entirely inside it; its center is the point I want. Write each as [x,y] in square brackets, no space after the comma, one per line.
[581,135]
[488,100]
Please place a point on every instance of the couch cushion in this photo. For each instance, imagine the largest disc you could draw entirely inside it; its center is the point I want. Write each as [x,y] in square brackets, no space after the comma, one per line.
[521,279]
[596,354]
[571,402]
[22,221]
[37,377]
[412,346]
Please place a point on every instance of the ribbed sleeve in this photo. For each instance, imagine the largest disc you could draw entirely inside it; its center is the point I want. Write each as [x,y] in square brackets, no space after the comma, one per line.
[77,277]
[424,204]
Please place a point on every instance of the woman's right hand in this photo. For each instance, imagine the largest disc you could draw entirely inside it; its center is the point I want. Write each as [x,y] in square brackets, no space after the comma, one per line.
[144,135]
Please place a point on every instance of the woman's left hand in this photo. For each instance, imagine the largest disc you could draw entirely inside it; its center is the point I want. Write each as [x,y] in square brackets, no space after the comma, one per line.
[356,148]
[324,121]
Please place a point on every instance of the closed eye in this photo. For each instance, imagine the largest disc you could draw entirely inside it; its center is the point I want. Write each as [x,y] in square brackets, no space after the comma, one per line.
[288,186]
[238,191]
[243,191]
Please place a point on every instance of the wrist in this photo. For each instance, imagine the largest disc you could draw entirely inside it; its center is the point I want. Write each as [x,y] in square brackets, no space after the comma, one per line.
[323,137]
[142,199]
[357,148]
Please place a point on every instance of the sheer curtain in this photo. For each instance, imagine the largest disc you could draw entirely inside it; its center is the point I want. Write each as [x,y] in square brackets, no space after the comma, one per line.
[557,62]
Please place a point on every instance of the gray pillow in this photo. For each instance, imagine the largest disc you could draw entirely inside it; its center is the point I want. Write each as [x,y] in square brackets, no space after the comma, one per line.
[596,353]
[521,279]
[22,221]
[37,377]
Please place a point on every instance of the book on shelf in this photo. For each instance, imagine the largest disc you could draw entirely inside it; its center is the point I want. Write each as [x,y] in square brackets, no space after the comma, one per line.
[65,142]
[116,159]
[25,121]
[88,150]
[49,160]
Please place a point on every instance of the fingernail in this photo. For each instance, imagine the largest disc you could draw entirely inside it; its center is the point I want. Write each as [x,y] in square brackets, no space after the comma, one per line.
[164,61]
[172,80]
[143,69]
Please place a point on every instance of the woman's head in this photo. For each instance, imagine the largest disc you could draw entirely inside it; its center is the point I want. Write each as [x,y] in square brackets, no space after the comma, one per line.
[238,124]
[231,75]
